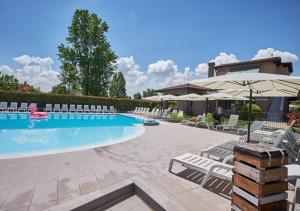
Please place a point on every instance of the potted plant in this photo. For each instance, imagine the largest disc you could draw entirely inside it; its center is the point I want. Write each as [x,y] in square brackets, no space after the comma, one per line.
[209,119]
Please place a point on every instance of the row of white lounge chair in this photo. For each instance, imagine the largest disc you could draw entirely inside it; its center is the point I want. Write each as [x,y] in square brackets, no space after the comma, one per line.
[59,108]
[156,112]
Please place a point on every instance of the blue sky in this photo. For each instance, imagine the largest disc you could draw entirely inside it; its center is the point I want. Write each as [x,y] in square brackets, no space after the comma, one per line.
[166,39]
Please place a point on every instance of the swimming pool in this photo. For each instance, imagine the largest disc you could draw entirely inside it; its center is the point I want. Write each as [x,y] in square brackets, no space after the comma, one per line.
[21,135]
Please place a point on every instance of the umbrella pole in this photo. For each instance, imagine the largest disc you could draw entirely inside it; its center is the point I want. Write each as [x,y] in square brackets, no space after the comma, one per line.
[161,107]
[206,105]
[249,116]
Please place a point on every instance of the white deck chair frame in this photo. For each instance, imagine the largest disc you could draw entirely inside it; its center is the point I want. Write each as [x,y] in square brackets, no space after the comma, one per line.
[23,107]
[3,106]
[64,108]
[48,108]
[13,106]
[232,123]
[79,108]
[205,165]
[72,108]
[56,108]
[86,109]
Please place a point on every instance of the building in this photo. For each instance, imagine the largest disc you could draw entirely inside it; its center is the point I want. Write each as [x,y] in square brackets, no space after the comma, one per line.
[187,106]
[269,105]
[273,108]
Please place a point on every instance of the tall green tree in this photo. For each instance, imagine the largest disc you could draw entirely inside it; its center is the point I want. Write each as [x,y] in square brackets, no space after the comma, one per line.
[149,93]
[118,86]
[137,96]
[59,89]
[87,61]
[8,82]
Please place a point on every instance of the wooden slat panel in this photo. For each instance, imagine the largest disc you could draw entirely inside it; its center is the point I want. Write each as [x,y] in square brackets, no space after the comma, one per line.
[259,190]
[261,176]
[261,164]
[244,205]
[260,201]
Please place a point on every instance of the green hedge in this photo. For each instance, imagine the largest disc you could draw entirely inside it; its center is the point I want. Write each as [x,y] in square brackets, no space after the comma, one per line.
[122,104]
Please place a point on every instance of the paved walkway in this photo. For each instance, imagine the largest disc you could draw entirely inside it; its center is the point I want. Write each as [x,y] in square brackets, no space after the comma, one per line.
[41,182]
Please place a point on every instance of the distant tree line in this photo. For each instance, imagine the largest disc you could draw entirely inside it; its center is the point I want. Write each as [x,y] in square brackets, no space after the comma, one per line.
[146,93]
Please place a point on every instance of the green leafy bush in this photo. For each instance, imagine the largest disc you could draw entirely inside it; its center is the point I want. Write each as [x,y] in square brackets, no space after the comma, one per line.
[209,118]
[122,104]
[255,110]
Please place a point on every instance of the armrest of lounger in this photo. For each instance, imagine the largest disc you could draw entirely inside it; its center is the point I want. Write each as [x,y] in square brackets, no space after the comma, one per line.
[228,158]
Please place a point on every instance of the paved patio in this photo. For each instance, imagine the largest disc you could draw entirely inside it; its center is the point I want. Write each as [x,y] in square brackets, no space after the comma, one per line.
[41,182]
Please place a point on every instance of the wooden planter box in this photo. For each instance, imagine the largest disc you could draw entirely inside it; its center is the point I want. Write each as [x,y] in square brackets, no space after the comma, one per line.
[259,180]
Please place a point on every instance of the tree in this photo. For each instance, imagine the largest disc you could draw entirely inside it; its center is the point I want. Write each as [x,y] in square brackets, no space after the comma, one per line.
[59,89]
[118,86]
[137,96]
[149,93]
[87,62]
[8,82]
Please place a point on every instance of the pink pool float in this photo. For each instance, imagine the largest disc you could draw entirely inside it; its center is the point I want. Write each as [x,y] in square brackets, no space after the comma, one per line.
[34,114]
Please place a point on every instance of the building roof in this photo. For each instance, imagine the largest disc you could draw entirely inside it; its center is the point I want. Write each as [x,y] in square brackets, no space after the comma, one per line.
[182,86]
[277,60]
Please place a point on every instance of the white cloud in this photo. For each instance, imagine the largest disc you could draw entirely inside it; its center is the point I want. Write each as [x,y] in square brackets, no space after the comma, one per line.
[201,70]
[35,70]
[6,70]
[271,52]
[135,78]
[224,58]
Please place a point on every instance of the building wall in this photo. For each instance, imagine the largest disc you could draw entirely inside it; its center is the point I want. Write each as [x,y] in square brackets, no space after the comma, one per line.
[266,67]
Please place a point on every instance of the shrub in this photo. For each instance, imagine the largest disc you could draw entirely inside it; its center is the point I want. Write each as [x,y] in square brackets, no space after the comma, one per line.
[122,104]
[255,110]
[209,118]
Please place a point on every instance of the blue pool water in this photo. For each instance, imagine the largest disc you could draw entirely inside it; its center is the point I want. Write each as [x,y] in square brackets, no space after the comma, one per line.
[20,134]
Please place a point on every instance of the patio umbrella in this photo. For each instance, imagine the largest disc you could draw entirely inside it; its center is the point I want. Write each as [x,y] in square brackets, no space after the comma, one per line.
[223,96]
[191,97]
[254,82]
[161,97]
[262,93]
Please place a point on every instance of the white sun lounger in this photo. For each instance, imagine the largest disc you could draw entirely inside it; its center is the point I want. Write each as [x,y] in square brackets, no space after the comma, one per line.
[79,108]
[104,109]
[48,108]
[111,109]
[232,123]
[3,106]
[205,165]
[64,108]
[23,107]
[93,108]
[13,106]
[86,109]
[99,109]
[72,108]
[256,125]
[56,108]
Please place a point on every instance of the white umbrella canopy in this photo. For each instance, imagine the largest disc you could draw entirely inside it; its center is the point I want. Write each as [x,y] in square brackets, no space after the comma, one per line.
[251,81]
[160,97]
[254,81]
[191,97]
[223,96]
[261,93]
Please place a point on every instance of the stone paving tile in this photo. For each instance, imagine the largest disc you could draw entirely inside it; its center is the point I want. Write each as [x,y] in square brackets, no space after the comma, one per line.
[18,198]
[88,184]
[67,189]
[45,196]
[47,175]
